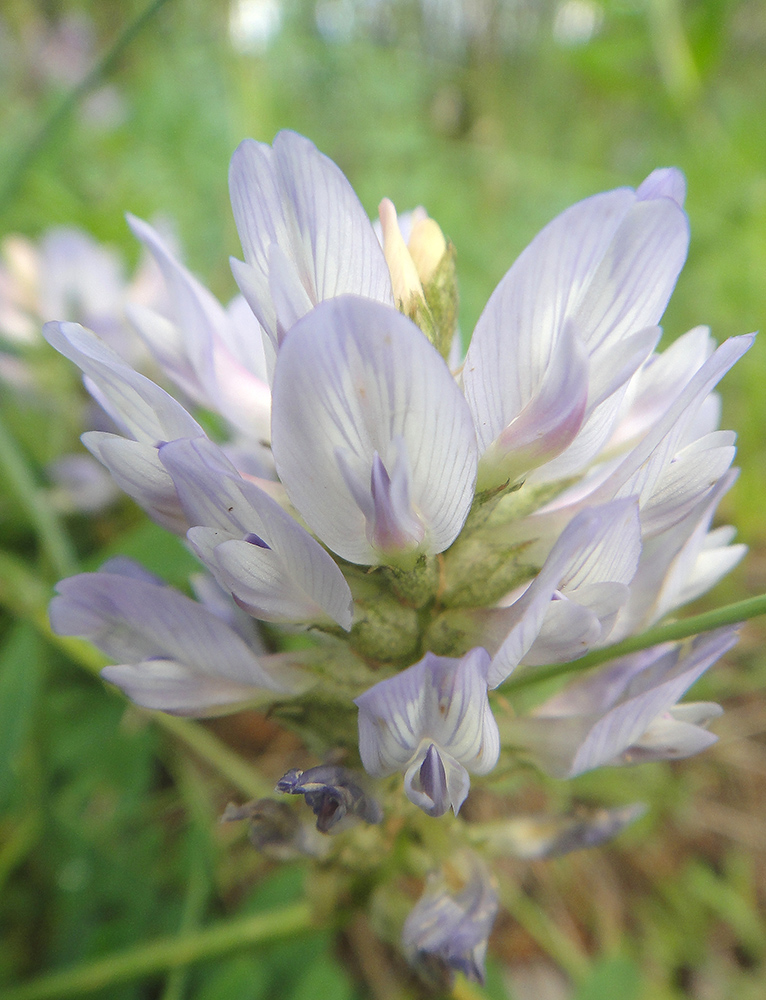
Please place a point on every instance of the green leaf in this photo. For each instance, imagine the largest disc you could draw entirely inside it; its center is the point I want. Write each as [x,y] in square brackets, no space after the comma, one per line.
[21,662]
[610,978]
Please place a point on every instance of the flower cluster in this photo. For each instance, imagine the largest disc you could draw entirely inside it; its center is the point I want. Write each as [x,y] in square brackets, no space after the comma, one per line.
[435,522]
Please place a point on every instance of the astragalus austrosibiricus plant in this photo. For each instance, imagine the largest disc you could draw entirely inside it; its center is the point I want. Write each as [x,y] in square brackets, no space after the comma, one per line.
[434,524]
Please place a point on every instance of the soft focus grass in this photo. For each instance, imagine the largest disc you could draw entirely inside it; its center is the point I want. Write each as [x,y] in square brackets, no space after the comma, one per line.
[108,823]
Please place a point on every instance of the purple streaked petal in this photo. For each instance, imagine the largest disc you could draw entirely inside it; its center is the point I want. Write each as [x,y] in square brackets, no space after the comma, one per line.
[568,631]
[359,378]
[195,310]
[600,544]
[641,468]
[511,348]
[148,413]
[667,575]
[633,282]
[258,581]
[199,358]
[395,526]
[137,470]
[293,196]
[668,738]
[138,623]
[693,472]
[168,686]
[434,722]
[594,721]
[254,286]
[547,423]
[290,297]
[660,380]
[664,182]
[292,579]
[611,369]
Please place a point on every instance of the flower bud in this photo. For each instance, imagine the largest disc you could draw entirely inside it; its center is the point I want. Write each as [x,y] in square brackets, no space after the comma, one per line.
[423,274]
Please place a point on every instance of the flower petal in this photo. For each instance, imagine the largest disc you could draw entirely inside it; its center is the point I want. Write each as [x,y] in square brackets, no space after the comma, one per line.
[292,578]
[137,470]
[148,413]
[594,721]
[138,622]
[355,378]
[293,196]
[432,720]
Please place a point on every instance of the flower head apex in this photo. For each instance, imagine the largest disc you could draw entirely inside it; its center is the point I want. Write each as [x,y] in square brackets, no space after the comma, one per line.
[304,233]
[453,927]
[422,266]
[432,721]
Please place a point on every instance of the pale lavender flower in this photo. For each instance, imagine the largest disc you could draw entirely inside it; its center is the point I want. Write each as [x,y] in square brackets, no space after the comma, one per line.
[432,721]
[627,712]
[573,601]
[453,927]
[534,837]
[173,654]
[269,563]
[214,355]
[385,460]
[569,324]
[680,564]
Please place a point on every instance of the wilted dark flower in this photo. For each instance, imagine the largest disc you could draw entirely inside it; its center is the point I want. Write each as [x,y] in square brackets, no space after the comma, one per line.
[273,828]
[333,793]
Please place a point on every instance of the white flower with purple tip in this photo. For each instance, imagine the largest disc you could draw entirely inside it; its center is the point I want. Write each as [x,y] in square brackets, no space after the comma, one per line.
[432,721]
[627,712]
[269,563]
[570,323]
[371,436]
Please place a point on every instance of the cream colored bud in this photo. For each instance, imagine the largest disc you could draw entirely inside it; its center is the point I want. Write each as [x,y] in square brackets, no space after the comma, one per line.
[427,246]
[404,276]
[21,259]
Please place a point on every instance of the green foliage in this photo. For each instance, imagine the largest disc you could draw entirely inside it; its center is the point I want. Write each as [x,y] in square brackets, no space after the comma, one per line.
[108,833]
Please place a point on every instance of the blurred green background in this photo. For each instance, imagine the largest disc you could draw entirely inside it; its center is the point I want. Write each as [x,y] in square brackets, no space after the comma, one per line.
[495,115]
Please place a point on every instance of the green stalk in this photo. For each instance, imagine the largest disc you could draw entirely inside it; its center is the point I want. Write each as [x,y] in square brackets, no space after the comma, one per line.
[213,751]
[191,917]
[54,540]
[166,953]
[684,628]
[49,128]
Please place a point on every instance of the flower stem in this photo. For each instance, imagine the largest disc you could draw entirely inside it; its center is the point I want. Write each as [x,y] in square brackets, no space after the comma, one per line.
[50,532]
[684,628]
[166,953]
